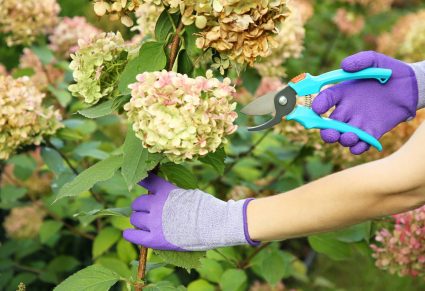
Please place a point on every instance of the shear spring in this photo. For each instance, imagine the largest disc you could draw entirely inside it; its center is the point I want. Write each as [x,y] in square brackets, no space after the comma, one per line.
[308,100]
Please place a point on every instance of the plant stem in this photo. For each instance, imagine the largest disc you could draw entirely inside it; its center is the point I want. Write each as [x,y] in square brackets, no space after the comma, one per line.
[175,45]
[141,269]
[245,263]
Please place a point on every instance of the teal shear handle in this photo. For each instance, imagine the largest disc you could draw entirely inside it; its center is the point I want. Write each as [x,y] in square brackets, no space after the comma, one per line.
[309,119]
[307,84]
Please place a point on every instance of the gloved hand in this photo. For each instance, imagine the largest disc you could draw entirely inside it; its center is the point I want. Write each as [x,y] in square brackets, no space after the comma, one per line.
[376,108]
[175,219]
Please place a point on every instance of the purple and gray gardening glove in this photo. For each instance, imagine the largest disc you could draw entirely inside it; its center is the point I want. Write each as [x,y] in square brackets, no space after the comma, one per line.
[376,108]
[171,218]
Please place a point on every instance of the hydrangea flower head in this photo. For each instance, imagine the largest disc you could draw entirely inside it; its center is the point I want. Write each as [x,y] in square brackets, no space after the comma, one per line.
[65,36]
[97,65]
[23,119]
[402,250]
[406,39]
[24,20]
[289,44]
[179,116]
[117,9]
[24,222]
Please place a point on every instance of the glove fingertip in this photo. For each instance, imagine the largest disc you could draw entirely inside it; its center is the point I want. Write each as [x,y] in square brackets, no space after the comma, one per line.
[359,148]
[330,135]
[320,104]
[132,235]
[359,61]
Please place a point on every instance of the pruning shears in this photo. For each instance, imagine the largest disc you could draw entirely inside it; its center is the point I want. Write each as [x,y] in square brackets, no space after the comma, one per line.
[283,104]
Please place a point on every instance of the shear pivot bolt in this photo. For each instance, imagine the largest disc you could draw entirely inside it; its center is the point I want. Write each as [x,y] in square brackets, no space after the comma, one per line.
[283,100]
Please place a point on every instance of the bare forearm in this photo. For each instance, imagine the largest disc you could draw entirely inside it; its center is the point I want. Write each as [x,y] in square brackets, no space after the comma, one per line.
[372,190]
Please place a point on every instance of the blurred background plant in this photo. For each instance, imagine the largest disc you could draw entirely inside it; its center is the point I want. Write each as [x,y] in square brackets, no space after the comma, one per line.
[53,227]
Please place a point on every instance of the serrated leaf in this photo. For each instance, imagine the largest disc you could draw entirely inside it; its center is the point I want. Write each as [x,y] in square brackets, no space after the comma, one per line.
[92,278]
[137,160]
[184,63]
[122,212]
[99,110]
[115,265]
[179,175]
[233,280]
[151,58]
[101,171]
[106,238]
[210,270]
[216,160]
[164,26]
[186,260]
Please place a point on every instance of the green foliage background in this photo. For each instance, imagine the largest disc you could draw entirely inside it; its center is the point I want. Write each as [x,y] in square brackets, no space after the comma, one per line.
[82,231]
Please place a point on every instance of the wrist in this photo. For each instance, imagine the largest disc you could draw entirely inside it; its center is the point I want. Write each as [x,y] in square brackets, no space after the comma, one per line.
[419,69]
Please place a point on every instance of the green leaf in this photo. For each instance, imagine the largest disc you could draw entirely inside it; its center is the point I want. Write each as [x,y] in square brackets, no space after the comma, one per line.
[164,26]
[126,251]
[101,171]
[49,229]
[151,58]
[9,196]
[24,166]
[62,264]
[216,160]
[90,149]
[355,233]
[184,63]
[179,175]
[233,280]
[326,244]
[106,238]
[137,160]
[53,160]
[24,277]
[251,80]
[92,278]
[187,260]
[23,72]
[62,95]
[99,110]
[210,270]
[200,284]
[122,212]
[190,36]
[273,265]
[115,265]
[317,169]
[43,53]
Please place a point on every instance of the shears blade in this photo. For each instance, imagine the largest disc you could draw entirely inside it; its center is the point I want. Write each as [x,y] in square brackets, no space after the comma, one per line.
[261,105]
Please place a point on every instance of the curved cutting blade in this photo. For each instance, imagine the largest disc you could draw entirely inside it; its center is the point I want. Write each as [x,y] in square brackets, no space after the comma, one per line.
[278,109]
[261,106]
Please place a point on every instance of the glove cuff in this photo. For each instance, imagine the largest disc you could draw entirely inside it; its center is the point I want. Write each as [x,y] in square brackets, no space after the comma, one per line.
[419,69]
[245,224]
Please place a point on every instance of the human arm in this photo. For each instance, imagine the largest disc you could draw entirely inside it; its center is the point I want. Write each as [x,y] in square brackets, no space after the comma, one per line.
[391,185]
[178,219]
[376,108]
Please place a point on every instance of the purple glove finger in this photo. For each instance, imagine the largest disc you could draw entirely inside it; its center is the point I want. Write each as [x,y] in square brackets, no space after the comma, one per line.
[327,99]
[140,220]
[330,135]
[153,183]
[136,236]
[348,139]
[359,148]
[144,202]
[360,61]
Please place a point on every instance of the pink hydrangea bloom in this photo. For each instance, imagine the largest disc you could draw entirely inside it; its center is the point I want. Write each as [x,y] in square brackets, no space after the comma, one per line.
[402,250]
[65,36]
[179,116]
